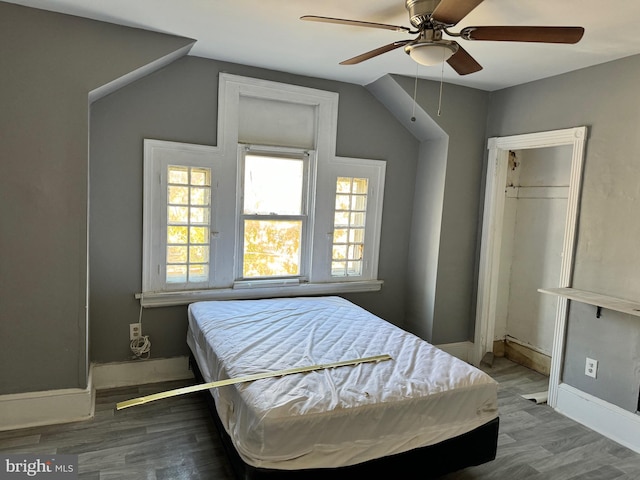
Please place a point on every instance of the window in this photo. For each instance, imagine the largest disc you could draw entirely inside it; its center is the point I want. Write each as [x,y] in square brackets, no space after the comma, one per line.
[251,219]
[349,198]
[179,217]
[274,215]
[349,227]
[284,222]
[188,224]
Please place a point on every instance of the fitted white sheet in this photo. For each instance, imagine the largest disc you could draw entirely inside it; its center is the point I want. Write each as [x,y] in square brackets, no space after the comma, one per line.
[336,417]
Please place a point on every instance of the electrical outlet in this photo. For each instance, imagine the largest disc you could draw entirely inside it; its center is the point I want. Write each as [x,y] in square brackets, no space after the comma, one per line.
[591,367]
[135,331]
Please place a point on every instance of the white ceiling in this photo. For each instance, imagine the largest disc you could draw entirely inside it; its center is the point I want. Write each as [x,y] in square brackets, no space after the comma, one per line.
[269,34]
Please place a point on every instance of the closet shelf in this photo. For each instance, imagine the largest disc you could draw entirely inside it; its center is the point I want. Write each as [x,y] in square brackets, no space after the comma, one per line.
[600,301]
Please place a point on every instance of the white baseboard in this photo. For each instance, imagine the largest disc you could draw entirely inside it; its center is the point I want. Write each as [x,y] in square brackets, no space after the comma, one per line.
[138,372]
[461,350]
[605,418]
[32,409]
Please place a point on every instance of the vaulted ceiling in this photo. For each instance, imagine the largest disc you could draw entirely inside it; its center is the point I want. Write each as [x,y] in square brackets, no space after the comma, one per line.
[270,34]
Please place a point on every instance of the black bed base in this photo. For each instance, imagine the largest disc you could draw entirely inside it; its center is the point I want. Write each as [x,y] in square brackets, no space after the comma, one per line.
[473,448]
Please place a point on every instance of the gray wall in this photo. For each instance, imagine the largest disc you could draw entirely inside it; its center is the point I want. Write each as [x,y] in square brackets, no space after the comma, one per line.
[48,65]
[426,230]
[179,103]
[443,281]
[607,260]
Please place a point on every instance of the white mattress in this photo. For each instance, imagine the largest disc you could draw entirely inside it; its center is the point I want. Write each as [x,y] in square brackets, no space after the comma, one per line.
[336,417]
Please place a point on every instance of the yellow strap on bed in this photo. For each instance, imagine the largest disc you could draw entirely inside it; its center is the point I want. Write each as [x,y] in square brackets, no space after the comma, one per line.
[249,378]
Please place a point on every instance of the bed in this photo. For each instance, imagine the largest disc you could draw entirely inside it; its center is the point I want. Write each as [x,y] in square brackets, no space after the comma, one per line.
[424,409]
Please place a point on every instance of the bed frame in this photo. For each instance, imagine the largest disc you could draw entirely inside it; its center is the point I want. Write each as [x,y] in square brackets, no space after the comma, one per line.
[473,448]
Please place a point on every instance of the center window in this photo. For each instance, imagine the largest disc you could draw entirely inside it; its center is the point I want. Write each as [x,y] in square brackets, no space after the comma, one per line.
[274,213]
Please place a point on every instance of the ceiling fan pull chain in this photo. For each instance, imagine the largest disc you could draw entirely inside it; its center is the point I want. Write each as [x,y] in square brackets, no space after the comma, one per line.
[441,83]
[415,91]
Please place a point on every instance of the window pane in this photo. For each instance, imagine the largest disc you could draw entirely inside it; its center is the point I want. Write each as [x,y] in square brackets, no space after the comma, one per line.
[176,254]
[200,196]
[339,252]
[341,219]
[354,268]
[271,248]
[199,254]
[349,226]
[359,202]
[178,195]
[177,234]
[356,235]
[342,202]
[178,214]
[357,219]
[198,235]
[200,176]
[340,235]
[355,252]
[198,273]
[188,222]
[360,185]
[199,215]
[273,186]
[339,269]
[179,175]
[176,273]
[343,185]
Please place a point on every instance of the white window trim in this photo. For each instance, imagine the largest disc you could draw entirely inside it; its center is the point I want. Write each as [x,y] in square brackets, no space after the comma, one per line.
[166,299]
[158,155]
[308,207]
[223,161]
[375,171]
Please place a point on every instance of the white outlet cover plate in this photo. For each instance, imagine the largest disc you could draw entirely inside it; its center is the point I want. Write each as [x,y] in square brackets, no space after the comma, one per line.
[134,331]
[591,367]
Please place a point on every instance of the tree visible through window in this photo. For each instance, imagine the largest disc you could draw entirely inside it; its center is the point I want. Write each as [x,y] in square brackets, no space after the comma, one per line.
[274,215]
[188,224]
[349,226]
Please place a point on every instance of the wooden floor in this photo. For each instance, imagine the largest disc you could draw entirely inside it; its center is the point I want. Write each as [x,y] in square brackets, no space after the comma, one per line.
[537,443]
[175,439]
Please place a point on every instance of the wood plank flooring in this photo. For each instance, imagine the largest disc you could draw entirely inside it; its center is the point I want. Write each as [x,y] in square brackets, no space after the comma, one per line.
[537,443]
[175,439]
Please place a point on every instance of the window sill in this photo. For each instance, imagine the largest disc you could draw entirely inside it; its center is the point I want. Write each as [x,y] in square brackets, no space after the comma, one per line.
[166,299]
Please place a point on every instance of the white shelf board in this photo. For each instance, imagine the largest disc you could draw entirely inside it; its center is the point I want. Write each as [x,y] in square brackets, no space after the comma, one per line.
[604,301]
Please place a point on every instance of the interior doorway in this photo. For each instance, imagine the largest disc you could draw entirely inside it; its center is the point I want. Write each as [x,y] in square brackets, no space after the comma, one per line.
[535,207]
[503,152]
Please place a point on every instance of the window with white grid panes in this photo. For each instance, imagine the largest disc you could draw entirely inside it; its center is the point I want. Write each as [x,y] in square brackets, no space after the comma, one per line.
[349,226]
[188,224]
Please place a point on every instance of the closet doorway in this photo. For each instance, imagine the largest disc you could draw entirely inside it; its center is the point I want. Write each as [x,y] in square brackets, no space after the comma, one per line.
[528,238]
[535,210]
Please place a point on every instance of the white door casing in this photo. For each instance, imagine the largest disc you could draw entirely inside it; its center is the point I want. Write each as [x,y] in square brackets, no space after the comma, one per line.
[497,165]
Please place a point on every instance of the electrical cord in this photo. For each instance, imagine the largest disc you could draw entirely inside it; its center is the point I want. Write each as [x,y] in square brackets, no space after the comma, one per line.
[141,346]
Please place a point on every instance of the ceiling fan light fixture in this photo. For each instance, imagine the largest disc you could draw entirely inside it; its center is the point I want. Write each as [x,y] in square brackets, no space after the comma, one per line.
[431,53]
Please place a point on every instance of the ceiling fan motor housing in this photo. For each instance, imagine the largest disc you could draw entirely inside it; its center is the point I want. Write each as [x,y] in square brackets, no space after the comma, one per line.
[420,11]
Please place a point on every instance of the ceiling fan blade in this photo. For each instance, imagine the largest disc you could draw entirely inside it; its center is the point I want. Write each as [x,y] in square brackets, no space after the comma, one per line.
[463,63]
[524,34]
[451,12]
[375,53]
[355,23]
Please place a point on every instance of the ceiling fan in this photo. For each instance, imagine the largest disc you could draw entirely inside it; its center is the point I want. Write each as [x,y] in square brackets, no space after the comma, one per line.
[430,18]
